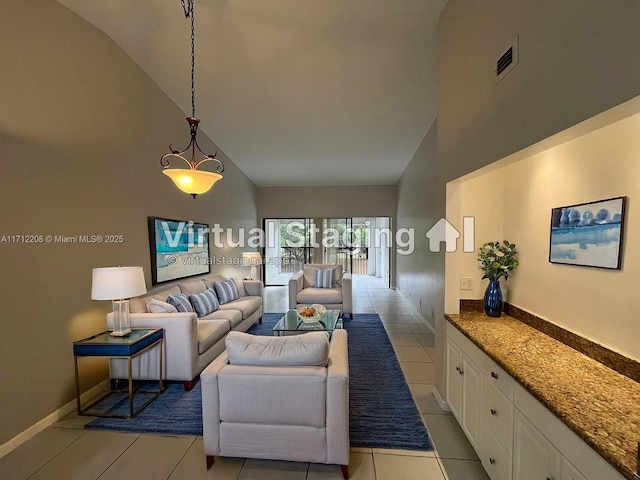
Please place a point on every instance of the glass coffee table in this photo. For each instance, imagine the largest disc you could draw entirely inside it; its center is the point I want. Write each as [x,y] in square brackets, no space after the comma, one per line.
[290,324]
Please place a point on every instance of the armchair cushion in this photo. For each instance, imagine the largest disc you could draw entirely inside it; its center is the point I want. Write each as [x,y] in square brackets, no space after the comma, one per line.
[323,296]
[324,278]
[310,349]
[310,271]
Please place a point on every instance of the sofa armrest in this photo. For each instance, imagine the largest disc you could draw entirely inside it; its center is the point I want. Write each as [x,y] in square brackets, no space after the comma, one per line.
[347,294]
[254,288]
[180,341]
[211,404]
[338,398]
[295,285]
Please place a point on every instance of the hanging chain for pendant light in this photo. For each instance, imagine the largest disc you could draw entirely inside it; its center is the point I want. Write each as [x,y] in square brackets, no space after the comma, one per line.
[186,180]
[188,13]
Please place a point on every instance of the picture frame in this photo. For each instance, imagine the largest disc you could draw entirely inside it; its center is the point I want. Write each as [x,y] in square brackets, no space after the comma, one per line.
[588,234]
[178,249]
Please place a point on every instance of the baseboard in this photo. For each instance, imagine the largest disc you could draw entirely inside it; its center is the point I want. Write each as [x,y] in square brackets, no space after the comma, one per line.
[441,402]
[50,419]
[417,312]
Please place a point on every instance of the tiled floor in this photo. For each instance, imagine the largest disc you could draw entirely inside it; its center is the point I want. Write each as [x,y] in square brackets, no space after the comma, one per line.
[66,451]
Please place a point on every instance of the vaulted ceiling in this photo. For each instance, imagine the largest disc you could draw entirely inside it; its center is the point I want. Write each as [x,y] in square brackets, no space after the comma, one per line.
[295,92]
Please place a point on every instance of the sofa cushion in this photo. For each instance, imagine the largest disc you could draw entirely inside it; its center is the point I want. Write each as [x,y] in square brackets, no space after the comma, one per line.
[246,305]
[323,296]
[194,286]
[157,306]
[141,304]
[310,349]
[234,317]
[204,303]
[181,302]
[209,332]
[227,291]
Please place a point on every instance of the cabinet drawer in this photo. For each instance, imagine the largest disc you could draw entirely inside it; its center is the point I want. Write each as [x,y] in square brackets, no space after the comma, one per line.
[495,460]
[466,346]
[497,414]
[501,379]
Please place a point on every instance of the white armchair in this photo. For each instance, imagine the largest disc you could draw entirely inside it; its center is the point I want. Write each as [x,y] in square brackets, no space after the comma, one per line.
[279,398]
[302,289]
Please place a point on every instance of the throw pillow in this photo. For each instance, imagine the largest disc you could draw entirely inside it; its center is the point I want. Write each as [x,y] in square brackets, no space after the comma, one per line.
[180,302]
[156,306]
[204,303]
[227,291]
[324,278]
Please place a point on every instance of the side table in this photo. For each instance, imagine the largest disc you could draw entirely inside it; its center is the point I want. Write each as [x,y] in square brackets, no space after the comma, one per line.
[136,343]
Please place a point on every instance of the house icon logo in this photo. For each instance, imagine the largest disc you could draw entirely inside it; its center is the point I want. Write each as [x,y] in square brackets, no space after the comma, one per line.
[443,232]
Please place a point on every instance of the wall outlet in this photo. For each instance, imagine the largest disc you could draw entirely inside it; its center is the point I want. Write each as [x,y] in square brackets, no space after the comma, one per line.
[466,283]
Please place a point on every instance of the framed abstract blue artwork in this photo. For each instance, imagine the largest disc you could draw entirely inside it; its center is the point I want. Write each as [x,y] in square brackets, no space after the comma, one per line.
[588,234]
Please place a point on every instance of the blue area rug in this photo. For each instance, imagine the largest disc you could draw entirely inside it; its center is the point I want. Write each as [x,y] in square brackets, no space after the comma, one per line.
[381,409]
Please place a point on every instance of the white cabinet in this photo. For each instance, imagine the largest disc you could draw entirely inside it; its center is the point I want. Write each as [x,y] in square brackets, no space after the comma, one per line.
[515,436]
[569,472]
[463,390]
[534,458]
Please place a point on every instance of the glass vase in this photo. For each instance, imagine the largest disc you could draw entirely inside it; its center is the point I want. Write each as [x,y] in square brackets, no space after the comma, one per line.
[493,299]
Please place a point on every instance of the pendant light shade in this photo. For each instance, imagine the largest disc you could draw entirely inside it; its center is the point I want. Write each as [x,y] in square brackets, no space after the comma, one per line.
[192,181]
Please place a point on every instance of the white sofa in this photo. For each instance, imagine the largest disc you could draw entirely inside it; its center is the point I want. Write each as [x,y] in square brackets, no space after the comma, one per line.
[190,343]
[279,398]
[303,292]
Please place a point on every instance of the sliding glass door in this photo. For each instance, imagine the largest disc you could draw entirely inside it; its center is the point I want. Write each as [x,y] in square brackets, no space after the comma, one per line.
[288,246]
[360,245]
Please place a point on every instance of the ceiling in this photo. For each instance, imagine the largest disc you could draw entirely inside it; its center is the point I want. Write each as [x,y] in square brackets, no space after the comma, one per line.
[294,92]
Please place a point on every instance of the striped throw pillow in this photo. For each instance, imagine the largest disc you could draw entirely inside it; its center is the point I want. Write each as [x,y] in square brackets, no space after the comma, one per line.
[181,302]
[204,303]
[227,291]
[324,278]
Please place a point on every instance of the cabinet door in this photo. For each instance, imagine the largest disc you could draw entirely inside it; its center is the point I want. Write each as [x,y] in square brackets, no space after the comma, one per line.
[471,378]
[569,472]
[534,457]
[454,379]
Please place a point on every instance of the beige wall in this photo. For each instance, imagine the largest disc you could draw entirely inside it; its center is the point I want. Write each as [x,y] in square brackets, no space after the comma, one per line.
[82,129]
[575,62]
[576,59]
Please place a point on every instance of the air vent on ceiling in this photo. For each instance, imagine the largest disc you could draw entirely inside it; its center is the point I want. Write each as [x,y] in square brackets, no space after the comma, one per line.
[507,60]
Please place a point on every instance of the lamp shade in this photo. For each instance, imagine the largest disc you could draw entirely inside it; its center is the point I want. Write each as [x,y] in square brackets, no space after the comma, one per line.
[251,258]
[115,283]
[189,180]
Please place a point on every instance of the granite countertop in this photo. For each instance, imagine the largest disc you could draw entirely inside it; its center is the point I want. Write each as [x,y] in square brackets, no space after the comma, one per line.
[599,404]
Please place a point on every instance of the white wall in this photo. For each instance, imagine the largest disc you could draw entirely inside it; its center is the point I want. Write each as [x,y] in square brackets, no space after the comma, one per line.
[598,304]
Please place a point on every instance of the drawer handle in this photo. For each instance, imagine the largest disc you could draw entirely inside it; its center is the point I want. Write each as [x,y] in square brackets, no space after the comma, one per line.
[492,461]
[461,372]
[493,411]
[495,375]
[457,369]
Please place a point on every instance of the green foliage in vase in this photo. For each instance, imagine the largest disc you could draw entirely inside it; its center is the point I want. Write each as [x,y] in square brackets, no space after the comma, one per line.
[497,259]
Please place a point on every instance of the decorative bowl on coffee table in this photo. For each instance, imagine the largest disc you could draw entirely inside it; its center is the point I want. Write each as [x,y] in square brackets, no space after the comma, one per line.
[311,313]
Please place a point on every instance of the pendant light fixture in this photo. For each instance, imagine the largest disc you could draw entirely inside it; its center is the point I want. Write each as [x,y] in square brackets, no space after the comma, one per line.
[191,180]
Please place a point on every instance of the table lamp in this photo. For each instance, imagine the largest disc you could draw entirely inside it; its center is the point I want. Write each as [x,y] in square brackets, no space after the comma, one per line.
[252,258]
[118,284]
